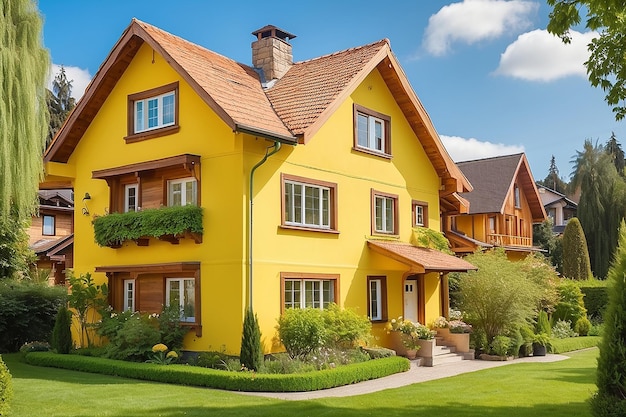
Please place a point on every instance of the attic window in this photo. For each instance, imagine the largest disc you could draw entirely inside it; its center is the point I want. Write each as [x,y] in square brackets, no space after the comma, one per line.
[372,131]
[153,113]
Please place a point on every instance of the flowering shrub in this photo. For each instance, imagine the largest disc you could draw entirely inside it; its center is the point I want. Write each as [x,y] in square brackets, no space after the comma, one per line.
[459,326]
[440,323]
[411,332]
[35,347]
[162,355]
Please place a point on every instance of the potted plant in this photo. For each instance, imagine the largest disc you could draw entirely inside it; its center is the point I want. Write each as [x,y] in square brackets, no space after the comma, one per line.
[541,342]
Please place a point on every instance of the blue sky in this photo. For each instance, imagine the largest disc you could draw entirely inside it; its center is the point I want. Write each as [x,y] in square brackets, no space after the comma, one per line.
[493,81]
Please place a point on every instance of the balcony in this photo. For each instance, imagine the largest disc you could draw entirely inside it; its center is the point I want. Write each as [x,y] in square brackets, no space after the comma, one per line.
[509,240]
[166,223]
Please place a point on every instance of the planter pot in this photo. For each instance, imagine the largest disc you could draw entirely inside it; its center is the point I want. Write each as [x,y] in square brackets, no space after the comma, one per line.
[443,332]
[397,345]
[539,350]
[460,341]
[411,353]
[427,348]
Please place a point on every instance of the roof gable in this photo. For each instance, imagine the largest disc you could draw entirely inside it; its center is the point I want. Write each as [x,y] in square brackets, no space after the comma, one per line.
[494,180]
[231,89]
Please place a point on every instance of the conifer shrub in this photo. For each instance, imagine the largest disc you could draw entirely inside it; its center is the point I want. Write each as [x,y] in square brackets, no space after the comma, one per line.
[62,331]
[251,355]
[582,326]
[610,400]
[6,389]
[576,263]
[543,324]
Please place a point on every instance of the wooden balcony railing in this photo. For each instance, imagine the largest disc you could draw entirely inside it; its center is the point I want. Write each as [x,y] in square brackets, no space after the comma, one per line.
[509,240]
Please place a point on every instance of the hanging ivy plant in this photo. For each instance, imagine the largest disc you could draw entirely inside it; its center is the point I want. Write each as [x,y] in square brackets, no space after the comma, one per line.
[114,228]
[429,238]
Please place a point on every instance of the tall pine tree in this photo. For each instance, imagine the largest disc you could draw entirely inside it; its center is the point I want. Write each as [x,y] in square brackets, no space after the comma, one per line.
[60,102]
[24,68]
[614,149]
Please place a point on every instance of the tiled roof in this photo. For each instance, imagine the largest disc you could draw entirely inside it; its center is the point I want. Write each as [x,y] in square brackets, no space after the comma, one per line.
[492,179]
[309,87]
[420,259]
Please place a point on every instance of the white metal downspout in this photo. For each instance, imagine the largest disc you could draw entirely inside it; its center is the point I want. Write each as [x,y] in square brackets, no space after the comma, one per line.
[274,148]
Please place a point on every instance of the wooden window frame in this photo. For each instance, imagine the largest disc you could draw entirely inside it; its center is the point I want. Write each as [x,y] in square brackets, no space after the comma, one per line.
[158,131]
[332,209]
[284,276]
[386,153]
[424,205]
[394,197]
[517,197]
[43,225]
[383,298]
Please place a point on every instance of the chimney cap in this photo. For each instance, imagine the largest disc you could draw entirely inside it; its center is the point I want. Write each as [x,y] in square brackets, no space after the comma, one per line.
[272,31]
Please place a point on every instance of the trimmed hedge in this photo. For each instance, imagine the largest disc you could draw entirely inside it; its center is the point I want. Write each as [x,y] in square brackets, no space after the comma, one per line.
[596,299]
[233,381]
[570,344]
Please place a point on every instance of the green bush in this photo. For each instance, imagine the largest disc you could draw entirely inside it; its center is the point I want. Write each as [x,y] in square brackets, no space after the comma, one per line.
[604,405]
[573,343]
[562,329]
[571,307]
[576,263]
[378,352]
[62,331]
[301,331]
[234,381]
[345,328]
[6,389]
[118,227]
[595,298]
[501,345]
[251,354]
[543,323]
[27,312]
[212,359]
[582,326]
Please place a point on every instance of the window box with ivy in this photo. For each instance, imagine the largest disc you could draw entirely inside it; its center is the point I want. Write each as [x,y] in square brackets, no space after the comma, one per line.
[166,223]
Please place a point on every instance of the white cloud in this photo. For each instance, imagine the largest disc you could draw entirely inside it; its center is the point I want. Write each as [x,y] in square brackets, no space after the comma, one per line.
[541,56]
[471,21]
[79,77]
[462,149]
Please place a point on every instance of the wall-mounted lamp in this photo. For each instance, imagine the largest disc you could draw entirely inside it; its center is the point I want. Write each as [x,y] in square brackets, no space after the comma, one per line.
[86,209]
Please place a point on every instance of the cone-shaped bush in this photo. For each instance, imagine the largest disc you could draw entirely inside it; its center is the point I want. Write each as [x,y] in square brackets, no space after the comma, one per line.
[62,332]
[251,355]
[576,264]
[611,375]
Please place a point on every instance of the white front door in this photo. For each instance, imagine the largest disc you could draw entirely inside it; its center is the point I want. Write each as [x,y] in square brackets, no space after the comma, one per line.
[410,300]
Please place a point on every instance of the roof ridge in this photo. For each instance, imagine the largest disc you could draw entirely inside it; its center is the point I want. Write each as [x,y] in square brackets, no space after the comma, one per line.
[380,41]
[491,158]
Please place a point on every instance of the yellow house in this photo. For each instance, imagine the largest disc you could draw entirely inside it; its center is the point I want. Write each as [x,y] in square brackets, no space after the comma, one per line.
[310,178]
[503,207]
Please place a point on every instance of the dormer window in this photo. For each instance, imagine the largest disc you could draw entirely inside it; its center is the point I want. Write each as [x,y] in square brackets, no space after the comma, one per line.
[372,131]
[153,113]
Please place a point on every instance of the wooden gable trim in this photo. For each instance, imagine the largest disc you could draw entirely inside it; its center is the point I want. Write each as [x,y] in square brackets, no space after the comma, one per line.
[167,268]
[524,178]
[188,161]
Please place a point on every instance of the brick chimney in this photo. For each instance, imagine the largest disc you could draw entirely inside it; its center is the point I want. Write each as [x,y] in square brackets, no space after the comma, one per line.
[271,52]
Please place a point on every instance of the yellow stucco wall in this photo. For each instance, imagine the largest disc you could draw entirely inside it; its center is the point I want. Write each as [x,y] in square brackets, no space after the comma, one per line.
[226,160]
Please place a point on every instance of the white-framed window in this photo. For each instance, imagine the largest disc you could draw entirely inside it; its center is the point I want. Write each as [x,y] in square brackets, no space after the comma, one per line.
[375,299]
[182,292]
[130,197]
[419,215]
[372,131]
[309,293]
[155,112]
[307,205]
[384,214]
[47,225]
[182,192]
[129,295]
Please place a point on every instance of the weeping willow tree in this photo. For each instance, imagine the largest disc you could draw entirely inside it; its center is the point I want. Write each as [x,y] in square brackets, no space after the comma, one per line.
[24,68]
[602,206]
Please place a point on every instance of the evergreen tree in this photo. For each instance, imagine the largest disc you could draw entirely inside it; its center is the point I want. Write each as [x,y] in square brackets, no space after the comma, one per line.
[601,206]
[614,149]
[251,355]
[62,331]
[575,253]
[24,67]
[553,180]
[60,103]
[610,400]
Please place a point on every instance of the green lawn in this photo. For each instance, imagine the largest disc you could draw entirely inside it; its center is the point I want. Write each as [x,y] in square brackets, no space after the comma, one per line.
[524,390]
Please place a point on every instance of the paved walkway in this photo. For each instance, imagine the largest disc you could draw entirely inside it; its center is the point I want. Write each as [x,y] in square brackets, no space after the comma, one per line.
[414,375]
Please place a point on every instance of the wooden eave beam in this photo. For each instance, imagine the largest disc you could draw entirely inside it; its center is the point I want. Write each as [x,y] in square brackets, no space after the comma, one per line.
[187,161]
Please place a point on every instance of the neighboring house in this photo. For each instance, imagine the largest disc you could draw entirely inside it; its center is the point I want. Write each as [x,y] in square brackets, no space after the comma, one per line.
[503,207]
[51,233]
[311,177]
[558,207]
